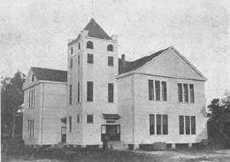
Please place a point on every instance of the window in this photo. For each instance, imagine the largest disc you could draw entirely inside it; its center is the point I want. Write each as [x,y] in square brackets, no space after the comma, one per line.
[110,92]
[152,124]
[180,91]
[185,92]
[90,58]
[110,60]
[89,45]
[165,124]
[161,124]
[31,98]
[71,50]
[70,124]
[33,77]
[89,91]
[151,90]
[78,118]
[79,45]
[89,119]
[193,125]
[70,94]
[164,90]
[158,123]
[31,128]
[157,89]
[191,88]
[187,123]
[78,92]
[71,62]
[110,47]
[78,59]
[181,124]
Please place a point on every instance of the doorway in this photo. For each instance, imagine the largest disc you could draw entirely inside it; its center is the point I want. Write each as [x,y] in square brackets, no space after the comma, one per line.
[110,132]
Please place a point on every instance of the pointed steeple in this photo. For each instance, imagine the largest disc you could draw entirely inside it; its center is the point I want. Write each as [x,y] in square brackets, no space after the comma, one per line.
[94,30]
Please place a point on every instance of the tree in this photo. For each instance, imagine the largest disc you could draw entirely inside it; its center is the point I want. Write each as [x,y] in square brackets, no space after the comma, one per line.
[12,97]
[219,121]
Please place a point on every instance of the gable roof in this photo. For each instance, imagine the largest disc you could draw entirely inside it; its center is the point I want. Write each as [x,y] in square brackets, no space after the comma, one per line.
[126,66]
[49,74]
[95,30]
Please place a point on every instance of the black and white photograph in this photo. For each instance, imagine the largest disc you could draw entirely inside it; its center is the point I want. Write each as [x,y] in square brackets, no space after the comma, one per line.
[115,80]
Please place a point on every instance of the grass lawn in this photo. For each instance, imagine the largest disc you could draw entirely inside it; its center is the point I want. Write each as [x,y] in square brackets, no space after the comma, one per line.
[123,156]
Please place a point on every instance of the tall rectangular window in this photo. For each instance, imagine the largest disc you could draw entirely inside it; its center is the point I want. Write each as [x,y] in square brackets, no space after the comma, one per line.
[110,60]
[165,124]
[78,118]
[185,92]
[89,119]
[193,125]
[71,63]
[70,94]
[157,89]
[110,92]
[180,92]
[152,124]
[70,124]
[78,59]
[187,124]
[181,124]
[30,128]
[89,91]
[191,89]
[29,98]
[158,117]
[79,45]
[78,92]
[151,90]
[164,90]
[90,58]
[71,50]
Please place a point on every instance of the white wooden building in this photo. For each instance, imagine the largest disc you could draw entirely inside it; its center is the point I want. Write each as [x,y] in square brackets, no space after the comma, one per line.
[157,98]
[44,106]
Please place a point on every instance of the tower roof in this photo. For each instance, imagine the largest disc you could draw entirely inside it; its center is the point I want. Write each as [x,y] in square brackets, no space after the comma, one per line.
[95,30]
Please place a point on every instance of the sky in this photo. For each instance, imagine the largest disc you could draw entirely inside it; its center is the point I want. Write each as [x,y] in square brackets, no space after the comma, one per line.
[36,32]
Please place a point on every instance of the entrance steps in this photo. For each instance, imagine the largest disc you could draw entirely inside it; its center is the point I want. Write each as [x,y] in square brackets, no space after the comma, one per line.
[117,145]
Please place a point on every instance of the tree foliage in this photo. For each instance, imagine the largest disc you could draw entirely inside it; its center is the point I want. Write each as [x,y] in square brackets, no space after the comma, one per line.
[219,121]
[11,99]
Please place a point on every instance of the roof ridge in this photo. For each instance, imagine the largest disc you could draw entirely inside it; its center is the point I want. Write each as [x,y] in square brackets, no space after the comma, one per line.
[47,68]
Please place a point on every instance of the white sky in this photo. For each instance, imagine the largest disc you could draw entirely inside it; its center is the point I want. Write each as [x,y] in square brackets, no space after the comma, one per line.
[35,32]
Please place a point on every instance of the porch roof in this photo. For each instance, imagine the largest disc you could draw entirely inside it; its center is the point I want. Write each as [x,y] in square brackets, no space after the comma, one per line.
[111,116]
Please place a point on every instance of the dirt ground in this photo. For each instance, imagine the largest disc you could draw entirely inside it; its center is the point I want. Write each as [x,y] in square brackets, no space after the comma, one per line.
[134,156]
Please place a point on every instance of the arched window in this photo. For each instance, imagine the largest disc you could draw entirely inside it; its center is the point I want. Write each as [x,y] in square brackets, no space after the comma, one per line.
[110,47]
[89,45]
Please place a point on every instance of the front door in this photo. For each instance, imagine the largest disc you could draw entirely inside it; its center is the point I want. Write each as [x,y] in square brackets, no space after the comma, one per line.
[110,132]
[63,134]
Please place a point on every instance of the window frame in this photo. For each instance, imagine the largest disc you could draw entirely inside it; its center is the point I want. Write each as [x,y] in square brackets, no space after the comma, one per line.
[158,90]
[164,90]
[110,48]
[152,124]
[89,91]
[70,124]
[70,94]
[90,58]
[110,61]
[110,92]
[89,45]
[151,89]
[89,119]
